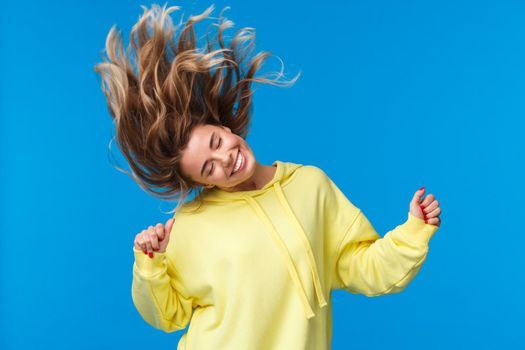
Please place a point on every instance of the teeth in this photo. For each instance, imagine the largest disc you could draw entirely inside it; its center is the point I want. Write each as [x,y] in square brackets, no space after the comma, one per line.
[238,163]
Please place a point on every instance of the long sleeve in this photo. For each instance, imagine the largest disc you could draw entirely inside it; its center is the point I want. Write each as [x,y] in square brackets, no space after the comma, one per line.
[158,293]
[363,262]
[370,265]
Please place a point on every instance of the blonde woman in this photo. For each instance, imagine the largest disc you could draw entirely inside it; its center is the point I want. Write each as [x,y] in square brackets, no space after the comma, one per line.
[251,261]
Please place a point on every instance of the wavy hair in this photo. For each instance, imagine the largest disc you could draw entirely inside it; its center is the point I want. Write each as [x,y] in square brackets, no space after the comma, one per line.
[159,89]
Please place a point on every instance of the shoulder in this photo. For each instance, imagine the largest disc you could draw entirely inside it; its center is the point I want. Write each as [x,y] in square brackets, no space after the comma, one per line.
[313,178]
[190,207]
[314,174]
[318,179]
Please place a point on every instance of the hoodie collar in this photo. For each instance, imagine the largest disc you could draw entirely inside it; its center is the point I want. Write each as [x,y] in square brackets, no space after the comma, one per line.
[301,279]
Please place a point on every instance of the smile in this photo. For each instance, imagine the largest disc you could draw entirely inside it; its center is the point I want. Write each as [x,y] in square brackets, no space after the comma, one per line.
[239,164]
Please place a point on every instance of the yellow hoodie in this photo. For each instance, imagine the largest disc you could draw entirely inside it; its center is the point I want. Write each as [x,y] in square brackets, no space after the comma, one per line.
[255,269]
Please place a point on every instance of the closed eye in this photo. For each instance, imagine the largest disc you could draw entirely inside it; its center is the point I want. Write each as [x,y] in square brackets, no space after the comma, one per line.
[213,164]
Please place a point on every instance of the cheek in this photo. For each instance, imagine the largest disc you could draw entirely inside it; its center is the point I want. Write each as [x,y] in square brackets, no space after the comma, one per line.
[221,174]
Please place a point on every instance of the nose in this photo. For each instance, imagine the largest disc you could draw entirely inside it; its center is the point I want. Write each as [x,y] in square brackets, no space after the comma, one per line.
[225,158]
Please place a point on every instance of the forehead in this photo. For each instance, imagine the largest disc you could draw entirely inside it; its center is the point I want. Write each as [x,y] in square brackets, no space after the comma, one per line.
[197,149]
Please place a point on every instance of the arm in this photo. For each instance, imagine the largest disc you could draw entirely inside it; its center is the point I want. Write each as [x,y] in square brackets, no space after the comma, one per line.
[370,265]
[157,293]
[361,261]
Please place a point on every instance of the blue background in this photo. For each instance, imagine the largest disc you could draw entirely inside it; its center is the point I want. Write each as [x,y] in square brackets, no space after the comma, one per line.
[392,97]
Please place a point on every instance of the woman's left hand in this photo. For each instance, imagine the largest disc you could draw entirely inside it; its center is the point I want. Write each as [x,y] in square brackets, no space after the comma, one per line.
[428,209]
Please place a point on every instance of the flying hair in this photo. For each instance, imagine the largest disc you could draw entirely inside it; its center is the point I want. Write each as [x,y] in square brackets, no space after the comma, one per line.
[160,87]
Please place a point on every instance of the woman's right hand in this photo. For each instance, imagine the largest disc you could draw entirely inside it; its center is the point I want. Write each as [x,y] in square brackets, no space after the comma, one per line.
[154,238]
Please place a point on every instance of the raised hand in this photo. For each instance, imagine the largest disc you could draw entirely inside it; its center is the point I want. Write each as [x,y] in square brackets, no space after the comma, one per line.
[427,209]
[154,238]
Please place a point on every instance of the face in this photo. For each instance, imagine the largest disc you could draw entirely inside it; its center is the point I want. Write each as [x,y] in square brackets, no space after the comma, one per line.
[212,154]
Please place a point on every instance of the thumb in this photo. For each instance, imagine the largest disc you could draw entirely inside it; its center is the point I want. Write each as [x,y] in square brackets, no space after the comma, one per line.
[417,196]
[168,226]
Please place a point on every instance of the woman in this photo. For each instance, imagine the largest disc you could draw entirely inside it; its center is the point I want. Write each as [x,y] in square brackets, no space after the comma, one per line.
[250,262]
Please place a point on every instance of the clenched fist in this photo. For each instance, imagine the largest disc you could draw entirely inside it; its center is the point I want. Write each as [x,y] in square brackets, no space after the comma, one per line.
[154,238]
[427,210]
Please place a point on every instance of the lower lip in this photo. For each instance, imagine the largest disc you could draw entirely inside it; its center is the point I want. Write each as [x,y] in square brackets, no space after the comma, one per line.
[243,161]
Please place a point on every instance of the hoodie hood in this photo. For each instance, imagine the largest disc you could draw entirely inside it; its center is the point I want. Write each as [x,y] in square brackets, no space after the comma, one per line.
[301,278]
[284,172]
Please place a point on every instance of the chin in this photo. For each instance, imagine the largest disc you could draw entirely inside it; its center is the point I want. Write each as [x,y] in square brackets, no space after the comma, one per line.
[245,179]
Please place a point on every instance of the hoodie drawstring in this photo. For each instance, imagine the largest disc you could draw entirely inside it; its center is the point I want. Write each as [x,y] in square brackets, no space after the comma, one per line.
[292,268]
[302,235]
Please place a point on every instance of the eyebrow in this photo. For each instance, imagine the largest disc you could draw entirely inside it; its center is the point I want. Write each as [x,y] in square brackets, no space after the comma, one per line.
[206,162]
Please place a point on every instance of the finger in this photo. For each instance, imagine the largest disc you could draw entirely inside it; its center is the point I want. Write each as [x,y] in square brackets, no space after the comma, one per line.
[428,199]
[434,213]
[430,207]
[417,195]
[159,228]
[152,233]
[142,243]
[169,225]
[135,242]
[434,221]
[137,245]
[147,239]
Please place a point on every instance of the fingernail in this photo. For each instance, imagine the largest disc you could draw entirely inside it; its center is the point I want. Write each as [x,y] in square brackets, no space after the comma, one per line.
[426,221]
[422,208]
[151,255]
[145,252]
[422,188]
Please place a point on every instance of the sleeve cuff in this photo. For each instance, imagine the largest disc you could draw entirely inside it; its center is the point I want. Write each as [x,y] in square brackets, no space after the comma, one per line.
[416,231]
[150,266]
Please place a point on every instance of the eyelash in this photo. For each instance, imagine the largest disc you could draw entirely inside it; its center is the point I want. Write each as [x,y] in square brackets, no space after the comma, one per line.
[213,165]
